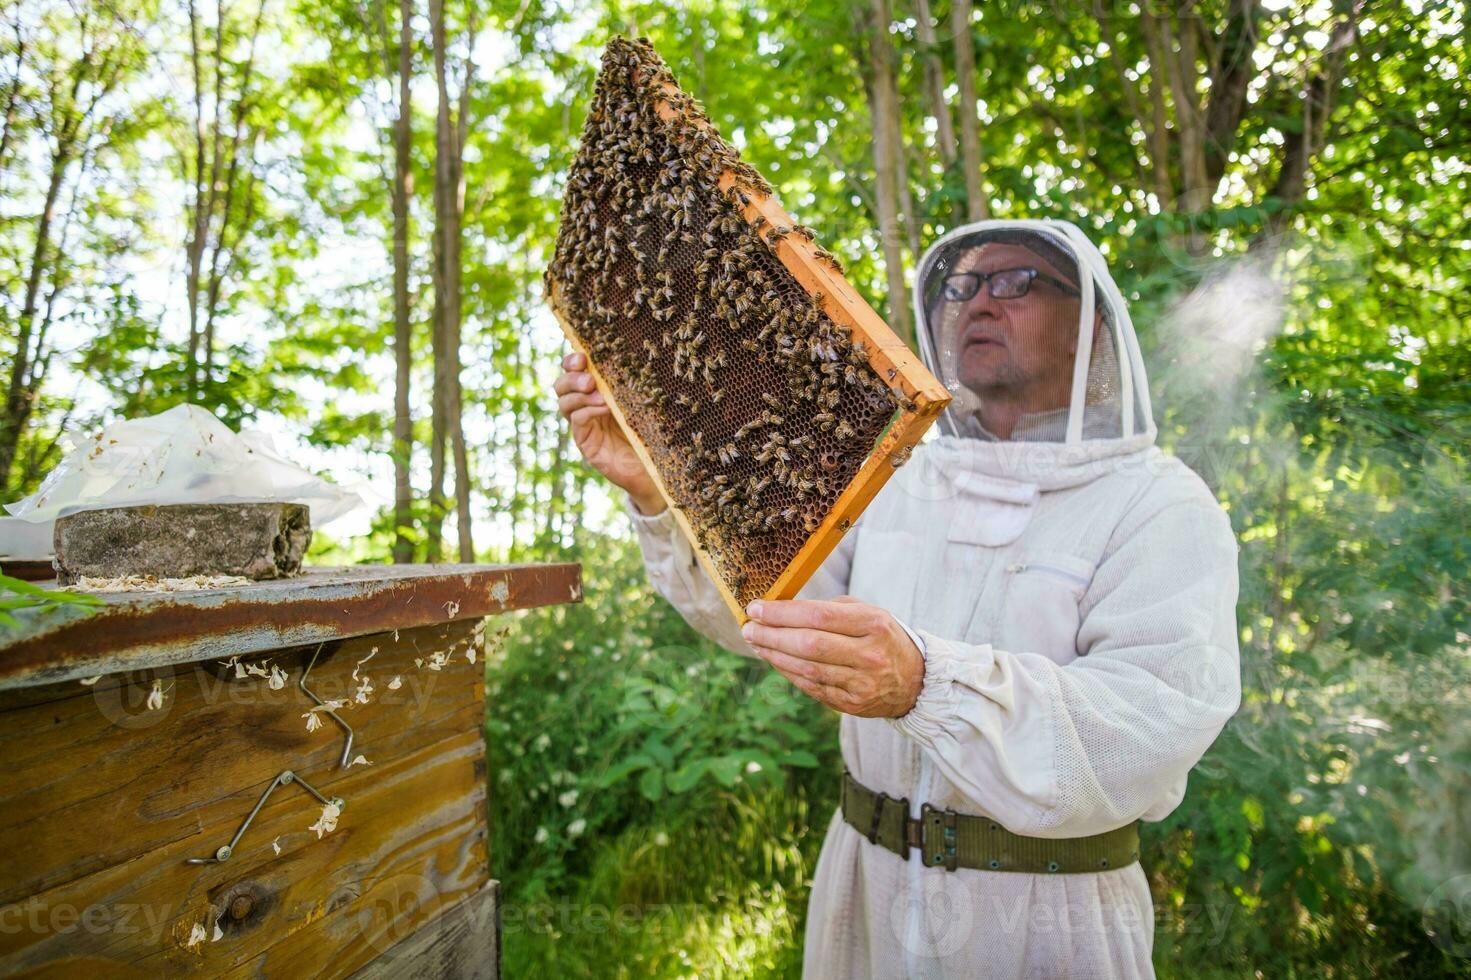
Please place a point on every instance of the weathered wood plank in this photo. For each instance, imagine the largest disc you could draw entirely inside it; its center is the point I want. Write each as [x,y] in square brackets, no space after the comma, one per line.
[146,630]
[104,800]
[314,910]
[199,763]
[463,942]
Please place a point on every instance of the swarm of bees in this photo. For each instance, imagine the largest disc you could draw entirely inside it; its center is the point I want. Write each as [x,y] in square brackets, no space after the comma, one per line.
[757,409]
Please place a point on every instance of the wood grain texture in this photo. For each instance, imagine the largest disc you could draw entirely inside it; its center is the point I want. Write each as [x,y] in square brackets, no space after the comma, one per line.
[103,800]
[461,943]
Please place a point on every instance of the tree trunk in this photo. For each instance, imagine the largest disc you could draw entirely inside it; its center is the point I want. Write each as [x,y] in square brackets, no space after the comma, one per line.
[450,136]
[1300,147]
[884,112]
[455,271]
[556,505]
[977,207]
[194,244]
[67,115]
[934,82]
[440,341]
[222,162]
[21,388]
[7,120]
[1174,58]
[403,187]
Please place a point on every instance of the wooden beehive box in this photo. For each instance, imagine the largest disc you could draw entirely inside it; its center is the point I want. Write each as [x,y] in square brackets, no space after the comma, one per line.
[106,798]
[767,399]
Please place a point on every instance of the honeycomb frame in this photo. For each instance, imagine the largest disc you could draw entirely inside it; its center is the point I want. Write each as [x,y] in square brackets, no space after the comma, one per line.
[916,396]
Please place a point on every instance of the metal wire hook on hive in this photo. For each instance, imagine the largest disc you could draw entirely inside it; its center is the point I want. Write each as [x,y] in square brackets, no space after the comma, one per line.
[286,776]
[347,746]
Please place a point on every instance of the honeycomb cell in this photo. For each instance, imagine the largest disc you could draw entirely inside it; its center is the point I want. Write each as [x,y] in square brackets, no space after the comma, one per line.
[757,409]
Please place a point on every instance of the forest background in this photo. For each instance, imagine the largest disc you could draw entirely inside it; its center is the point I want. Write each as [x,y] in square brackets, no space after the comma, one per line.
[329,218]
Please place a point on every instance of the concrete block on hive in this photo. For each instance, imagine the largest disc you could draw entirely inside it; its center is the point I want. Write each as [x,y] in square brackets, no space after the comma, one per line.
[255,541]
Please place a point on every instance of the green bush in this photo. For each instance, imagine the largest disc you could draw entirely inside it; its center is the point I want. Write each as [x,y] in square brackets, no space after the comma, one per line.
[636,766]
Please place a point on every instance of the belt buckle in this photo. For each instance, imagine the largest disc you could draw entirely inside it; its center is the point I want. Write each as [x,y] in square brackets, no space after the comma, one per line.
[938,836]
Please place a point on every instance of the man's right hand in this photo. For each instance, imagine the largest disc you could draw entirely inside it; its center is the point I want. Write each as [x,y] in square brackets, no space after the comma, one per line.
[600,438]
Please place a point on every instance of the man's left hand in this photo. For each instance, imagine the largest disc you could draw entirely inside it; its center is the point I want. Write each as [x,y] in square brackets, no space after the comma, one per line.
[853,657]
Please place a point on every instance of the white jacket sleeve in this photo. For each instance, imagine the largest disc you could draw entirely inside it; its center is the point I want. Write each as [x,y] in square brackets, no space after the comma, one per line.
[678,576]
[1072,750]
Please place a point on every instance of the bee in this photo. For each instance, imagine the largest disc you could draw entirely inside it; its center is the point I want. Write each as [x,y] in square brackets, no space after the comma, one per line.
[716,395]
[845,430]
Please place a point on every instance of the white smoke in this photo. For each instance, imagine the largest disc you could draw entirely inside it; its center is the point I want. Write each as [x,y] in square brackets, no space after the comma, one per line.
[1211,337]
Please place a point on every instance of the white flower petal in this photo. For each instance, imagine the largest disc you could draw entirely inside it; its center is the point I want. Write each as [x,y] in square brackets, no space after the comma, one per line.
[327,822]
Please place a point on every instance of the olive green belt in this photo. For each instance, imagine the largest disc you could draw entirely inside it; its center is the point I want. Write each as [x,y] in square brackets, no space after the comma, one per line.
[961,840]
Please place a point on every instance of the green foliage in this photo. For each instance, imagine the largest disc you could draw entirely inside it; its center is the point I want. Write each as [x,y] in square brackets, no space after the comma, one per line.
[16,595]
[626,752]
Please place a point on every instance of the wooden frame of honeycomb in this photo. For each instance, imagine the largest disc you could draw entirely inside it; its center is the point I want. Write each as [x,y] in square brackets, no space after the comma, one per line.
[667,167]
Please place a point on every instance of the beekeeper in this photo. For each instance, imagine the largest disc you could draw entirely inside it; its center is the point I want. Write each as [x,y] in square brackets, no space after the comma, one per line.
[1030,633]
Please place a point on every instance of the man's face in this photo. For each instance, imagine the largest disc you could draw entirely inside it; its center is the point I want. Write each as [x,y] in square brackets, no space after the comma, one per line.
[1015,350]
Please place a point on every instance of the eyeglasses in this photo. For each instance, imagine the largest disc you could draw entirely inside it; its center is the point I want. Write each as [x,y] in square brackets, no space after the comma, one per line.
[1001,284]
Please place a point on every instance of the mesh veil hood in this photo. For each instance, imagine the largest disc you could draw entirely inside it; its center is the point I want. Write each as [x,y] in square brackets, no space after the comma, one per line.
[1108,418]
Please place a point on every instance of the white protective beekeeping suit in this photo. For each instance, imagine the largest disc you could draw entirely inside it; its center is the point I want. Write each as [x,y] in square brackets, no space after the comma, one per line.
[1073,590]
